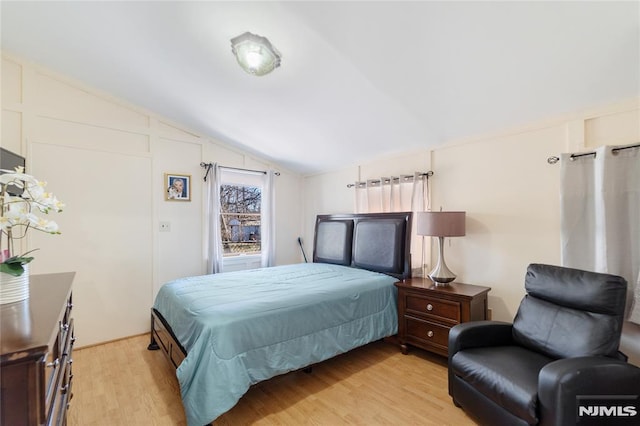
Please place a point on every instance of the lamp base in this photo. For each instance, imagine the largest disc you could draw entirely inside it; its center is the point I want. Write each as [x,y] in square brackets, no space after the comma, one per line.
[441,275]
[439,281]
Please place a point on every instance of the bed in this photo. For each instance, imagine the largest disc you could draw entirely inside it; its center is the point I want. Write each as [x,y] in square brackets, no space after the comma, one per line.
[225,332]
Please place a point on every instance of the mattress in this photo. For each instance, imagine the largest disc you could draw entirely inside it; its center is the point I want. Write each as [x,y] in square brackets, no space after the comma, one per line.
[240,328]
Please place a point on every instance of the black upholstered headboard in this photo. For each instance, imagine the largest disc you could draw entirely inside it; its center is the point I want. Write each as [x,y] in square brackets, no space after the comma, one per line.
[379,242]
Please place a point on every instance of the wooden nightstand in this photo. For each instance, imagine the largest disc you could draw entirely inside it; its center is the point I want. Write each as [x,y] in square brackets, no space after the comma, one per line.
[427,312]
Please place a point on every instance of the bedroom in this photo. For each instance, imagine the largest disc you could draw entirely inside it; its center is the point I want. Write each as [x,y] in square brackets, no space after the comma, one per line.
[105,155]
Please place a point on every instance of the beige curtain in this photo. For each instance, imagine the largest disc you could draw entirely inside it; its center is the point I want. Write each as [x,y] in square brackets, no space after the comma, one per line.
[392,194]
[397,194]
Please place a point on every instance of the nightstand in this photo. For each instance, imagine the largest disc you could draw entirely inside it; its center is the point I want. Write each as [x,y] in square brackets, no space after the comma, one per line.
[427,312]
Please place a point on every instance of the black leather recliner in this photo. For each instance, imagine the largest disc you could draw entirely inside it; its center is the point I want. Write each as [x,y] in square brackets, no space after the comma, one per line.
[563,344]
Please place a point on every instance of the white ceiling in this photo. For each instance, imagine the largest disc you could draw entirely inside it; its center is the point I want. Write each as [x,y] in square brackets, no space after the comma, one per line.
[358,79]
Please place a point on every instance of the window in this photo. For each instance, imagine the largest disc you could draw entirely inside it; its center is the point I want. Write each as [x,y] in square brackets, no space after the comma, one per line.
[240,219]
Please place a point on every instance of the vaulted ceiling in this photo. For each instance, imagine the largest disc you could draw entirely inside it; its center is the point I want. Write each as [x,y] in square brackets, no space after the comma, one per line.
[358,80]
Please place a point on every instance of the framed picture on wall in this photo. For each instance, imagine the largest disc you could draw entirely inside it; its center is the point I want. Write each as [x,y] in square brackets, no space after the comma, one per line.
[177,187]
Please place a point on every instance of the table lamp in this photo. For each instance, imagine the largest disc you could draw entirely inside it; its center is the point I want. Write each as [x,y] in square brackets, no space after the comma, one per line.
[441,225]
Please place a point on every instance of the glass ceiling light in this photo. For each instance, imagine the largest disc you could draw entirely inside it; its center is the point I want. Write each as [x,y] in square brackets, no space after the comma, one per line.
[255,54]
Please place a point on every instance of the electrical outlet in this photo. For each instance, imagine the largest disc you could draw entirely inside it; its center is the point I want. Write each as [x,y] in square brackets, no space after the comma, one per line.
[165,226]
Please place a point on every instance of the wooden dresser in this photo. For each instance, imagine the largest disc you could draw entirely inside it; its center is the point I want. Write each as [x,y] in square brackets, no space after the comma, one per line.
[36,339]
[427,312]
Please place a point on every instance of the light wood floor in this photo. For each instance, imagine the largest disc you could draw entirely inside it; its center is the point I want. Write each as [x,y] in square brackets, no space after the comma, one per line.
[122,383]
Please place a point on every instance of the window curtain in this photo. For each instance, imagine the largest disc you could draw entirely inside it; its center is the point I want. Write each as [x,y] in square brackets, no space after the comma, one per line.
[214,238]
[268,219]
[600,216]
[397,194]
[392,194]
[361,197]
[419,202]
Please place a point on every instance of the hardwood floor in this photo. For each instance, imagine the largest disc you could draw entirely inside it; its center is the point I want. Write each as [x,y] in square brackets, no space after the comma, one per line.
[122,383]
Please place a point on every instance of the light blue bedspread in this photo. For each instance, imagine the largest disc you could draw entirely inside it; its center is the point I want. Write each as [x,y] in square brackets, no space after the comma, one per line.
[240,328]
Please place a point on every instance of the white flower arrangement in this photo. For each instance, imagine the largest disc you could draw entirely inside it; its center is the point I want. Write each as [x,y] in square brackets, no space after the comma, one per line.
[18,215]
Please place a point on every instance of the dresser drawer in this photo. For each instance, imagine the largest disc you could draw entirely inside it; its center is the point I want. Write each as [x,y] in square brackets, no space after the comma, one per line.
[66,318]
[60,392]
[53,370]
[426,333]
[447,311]
[57,370]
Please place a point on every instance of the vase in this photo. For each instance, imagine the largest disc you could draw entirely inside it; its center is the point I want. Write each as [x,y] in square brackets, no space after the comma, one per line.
[14,289]
[16,320]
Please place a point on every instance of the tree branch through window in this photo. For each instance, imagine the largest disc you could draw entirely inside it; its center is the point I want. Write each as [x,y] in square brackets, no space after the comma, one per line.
[240,219]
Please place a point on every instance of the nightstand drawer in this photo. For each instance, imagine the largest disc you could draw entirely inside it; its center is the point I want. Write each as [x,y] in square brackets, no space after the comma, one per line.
[427,333]
[428,307]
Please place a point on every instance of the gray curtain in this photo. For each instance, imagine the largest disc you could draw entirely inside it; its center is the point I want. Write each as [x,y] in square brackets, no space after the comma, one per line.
[600,216]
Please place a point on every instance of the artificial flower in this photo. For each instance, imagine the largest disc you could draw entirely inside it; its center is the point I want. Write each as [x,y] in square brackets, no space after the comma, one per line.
[18,214]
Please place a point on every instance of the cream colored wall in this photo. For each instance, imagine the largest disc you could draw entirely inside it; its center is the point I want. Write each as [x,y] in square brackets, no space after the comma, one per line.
[507,188]
[106,160]
[326,193]
[511,196]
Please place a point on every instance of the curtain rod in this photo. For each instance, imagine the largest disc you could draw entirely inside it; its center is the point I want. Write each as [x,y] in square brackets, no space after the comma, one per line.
[614,151]
[427,174]
[208,166]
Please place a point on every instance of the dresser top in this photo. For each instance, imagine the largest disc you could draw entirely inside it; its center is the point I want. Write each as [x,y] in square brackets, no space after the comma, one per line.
[28,327]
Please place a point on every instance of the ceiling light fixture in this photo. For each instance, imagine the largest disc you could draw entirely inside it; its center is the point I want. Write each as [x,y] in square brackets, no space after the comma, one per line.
[255,54]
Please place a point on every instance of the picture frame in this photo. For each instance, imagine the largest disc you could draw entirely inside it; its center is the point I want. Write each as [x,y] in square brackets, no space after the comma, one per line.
[177,187]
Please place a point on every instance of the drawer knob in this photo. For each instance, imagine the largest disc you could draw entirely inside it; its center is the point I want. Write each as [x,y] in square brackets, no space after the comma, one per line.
[430,333]
[429,307]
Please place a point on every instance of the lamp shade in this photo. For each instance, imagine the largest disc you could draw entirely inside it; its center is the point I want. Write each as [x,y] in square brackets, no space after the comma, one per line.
[441,224]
